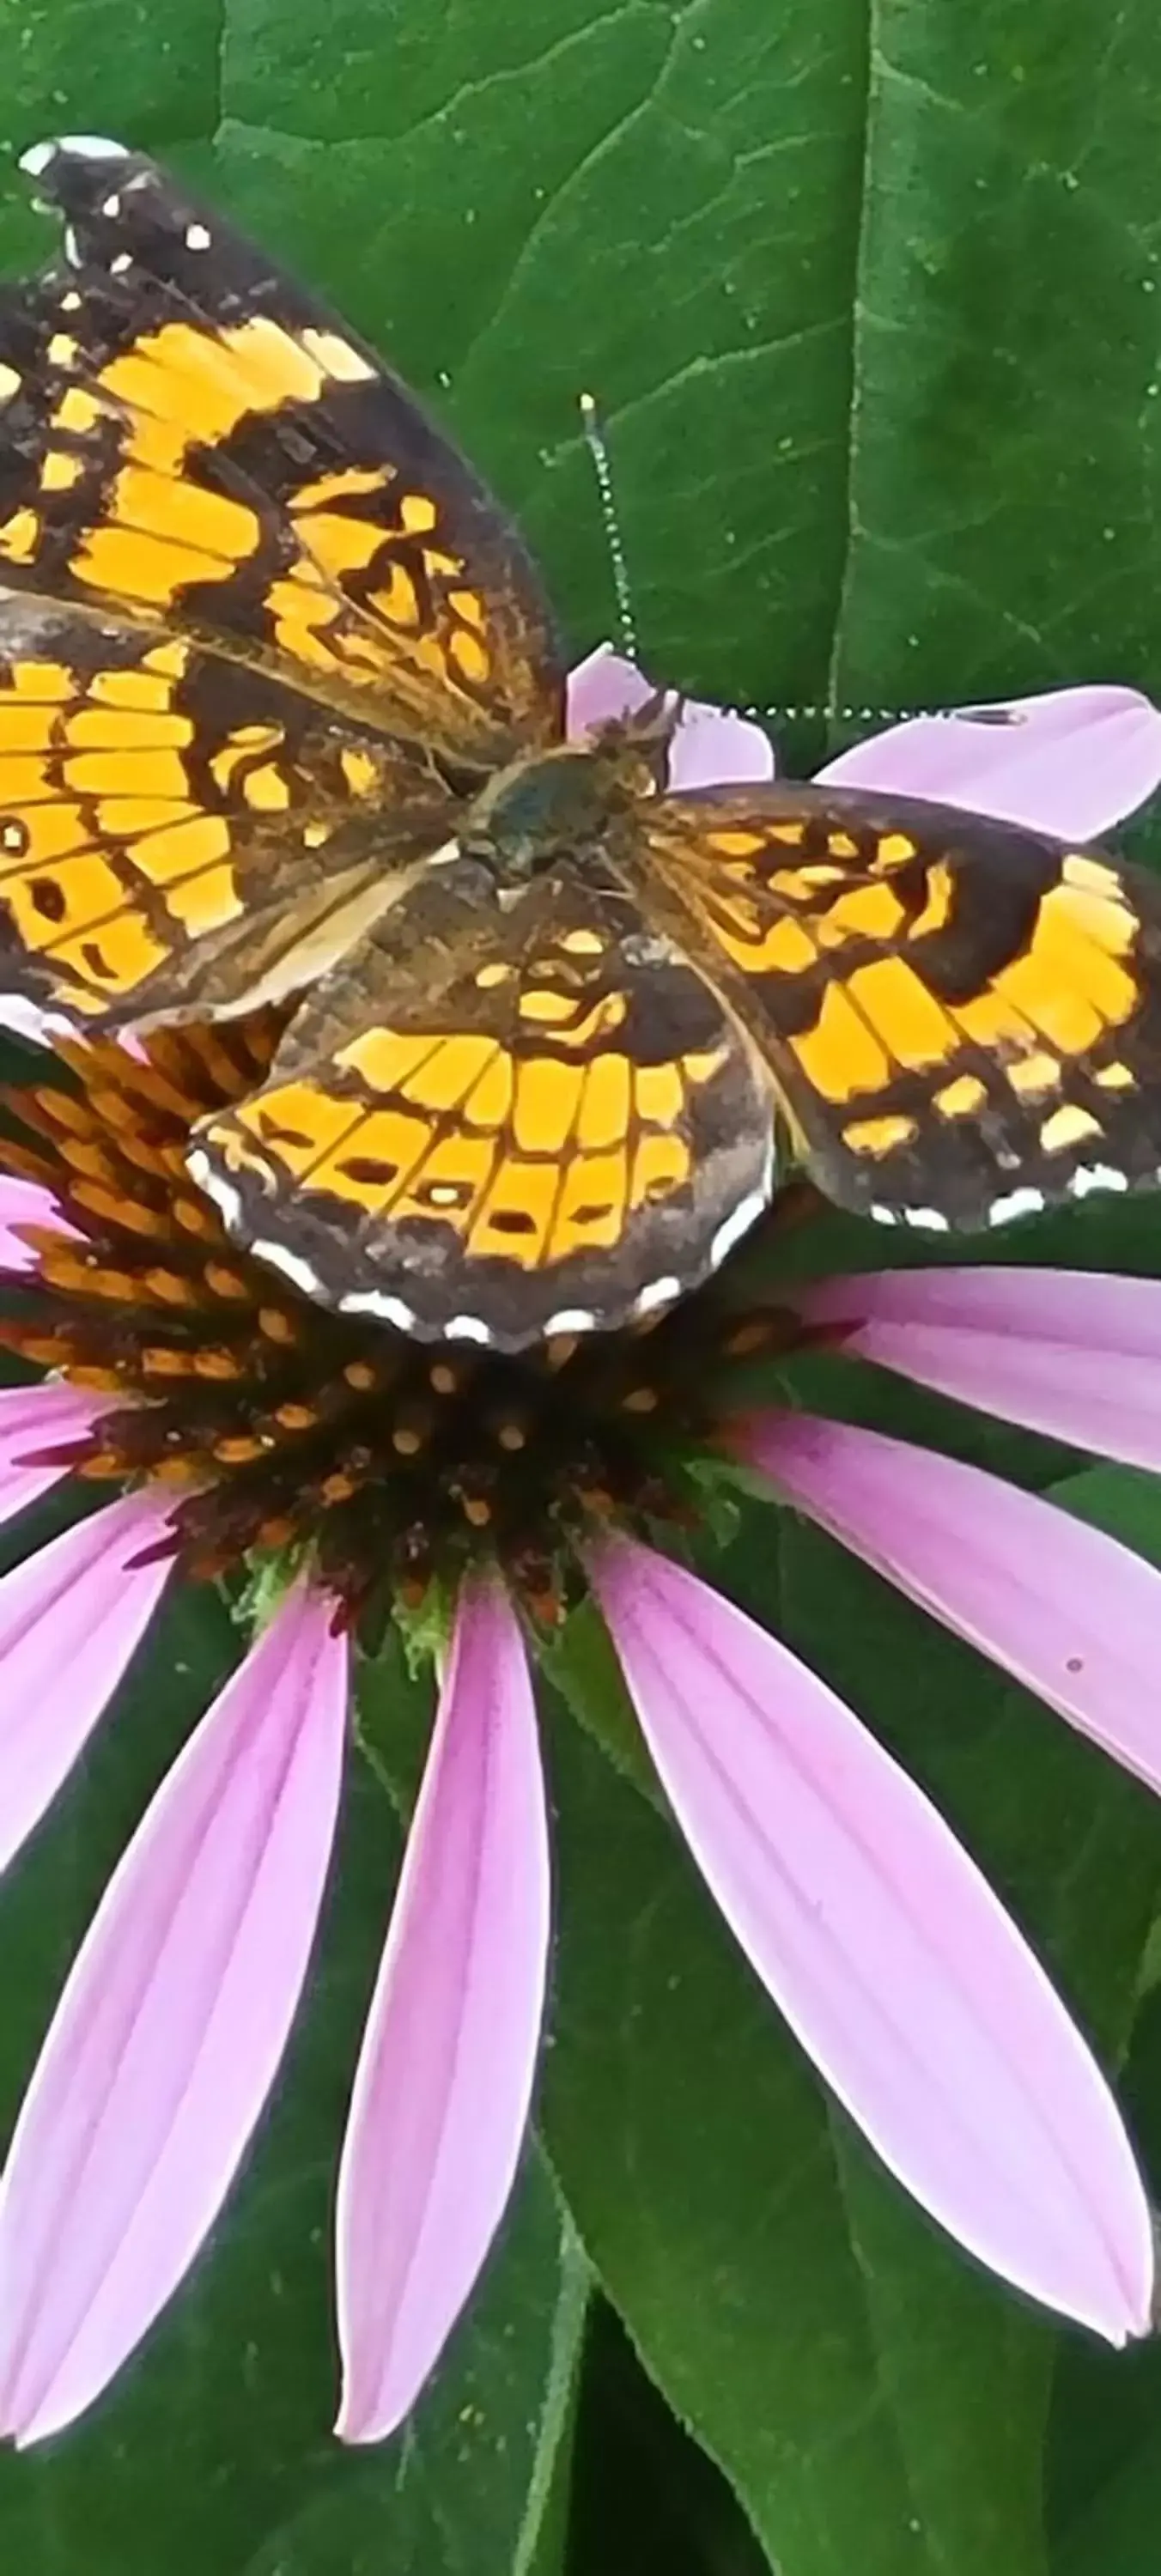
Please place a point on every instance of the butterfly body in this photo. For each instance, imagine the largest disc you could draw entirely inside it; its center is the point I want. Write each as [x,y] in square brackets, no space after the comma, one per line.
[282,717]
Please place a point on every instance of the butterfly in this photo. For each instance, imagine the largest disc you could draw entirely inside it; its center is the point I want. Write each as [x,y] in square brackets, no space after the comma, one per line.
[282,718]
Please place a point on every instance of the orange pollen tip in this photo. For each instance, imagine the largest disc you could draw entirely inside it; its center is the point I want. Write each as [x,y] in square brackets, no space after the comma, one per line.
[98,1200]
[277,1326]
[296,1417]
[87,1159]
[277,1532]
[360,1375]
[230,1283]
[757,1333]
[158,1361]
[194,1217]
[58,1107]
[169,1288]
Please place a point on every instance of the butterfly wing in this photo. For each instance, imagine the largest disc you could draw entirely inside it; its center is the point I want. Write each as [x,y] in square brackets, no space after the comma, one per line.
[500,1121]
[191,441]
[179,835]
[960,1018]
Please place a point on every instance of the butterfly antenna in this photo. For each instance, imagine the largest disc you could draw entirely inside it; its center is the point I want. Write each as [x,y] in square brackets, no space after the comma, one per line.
[598,450]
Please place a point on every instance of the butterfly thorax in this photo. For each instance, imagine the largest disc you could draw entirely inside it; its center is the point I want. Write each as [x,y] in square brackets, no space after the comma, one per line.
[559,803]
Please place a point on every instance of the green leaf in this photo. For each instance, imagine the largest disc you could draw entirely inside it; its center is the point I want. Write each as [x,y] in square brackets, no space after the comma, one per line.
[1105,2451]
[1000,509]
[517,205]
[214,2450]
[646,2500]
[876,2400]
[844,288]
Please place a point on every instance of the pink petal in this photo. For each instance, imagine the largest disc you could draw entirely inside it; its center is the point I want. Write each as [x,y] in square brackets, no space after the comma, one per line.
[171,2027]
[70,1618]
[1075,1616]
[1067,1352]
[885,1948]
[445,2078]
[1072,761]
[33,1418]
[602,687]
[25,1203]
[711,747]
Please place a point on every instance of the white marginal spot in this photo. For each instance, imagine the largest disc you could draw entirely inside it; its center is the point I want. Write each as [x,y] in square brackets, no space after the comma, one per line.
[72,247]
[570,1319]
[291,1264]
[738,1223]
[659,1292]
[465,1328]
[111,205]
[222,1192]
[1097,1176]
[375,1301]
[928,1218]
[1018,1203]
[84,147]
[197,237]
[118,266]
[885,1215]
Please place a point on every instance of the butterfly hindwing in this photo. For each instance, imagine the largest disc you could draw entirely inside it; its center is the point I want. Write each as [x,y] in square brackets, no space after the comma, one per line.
[189,439]
[500,1123]
[961,1018]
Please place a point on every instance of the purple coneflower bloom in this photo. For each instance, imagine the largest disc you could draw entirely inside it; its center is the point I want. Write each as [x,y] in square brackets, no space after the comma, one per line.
[233,1418]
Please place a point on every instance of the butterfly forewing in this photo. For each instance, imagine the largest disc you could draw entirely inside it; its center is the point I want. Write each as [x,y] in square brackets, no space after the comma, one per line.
[192,440]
